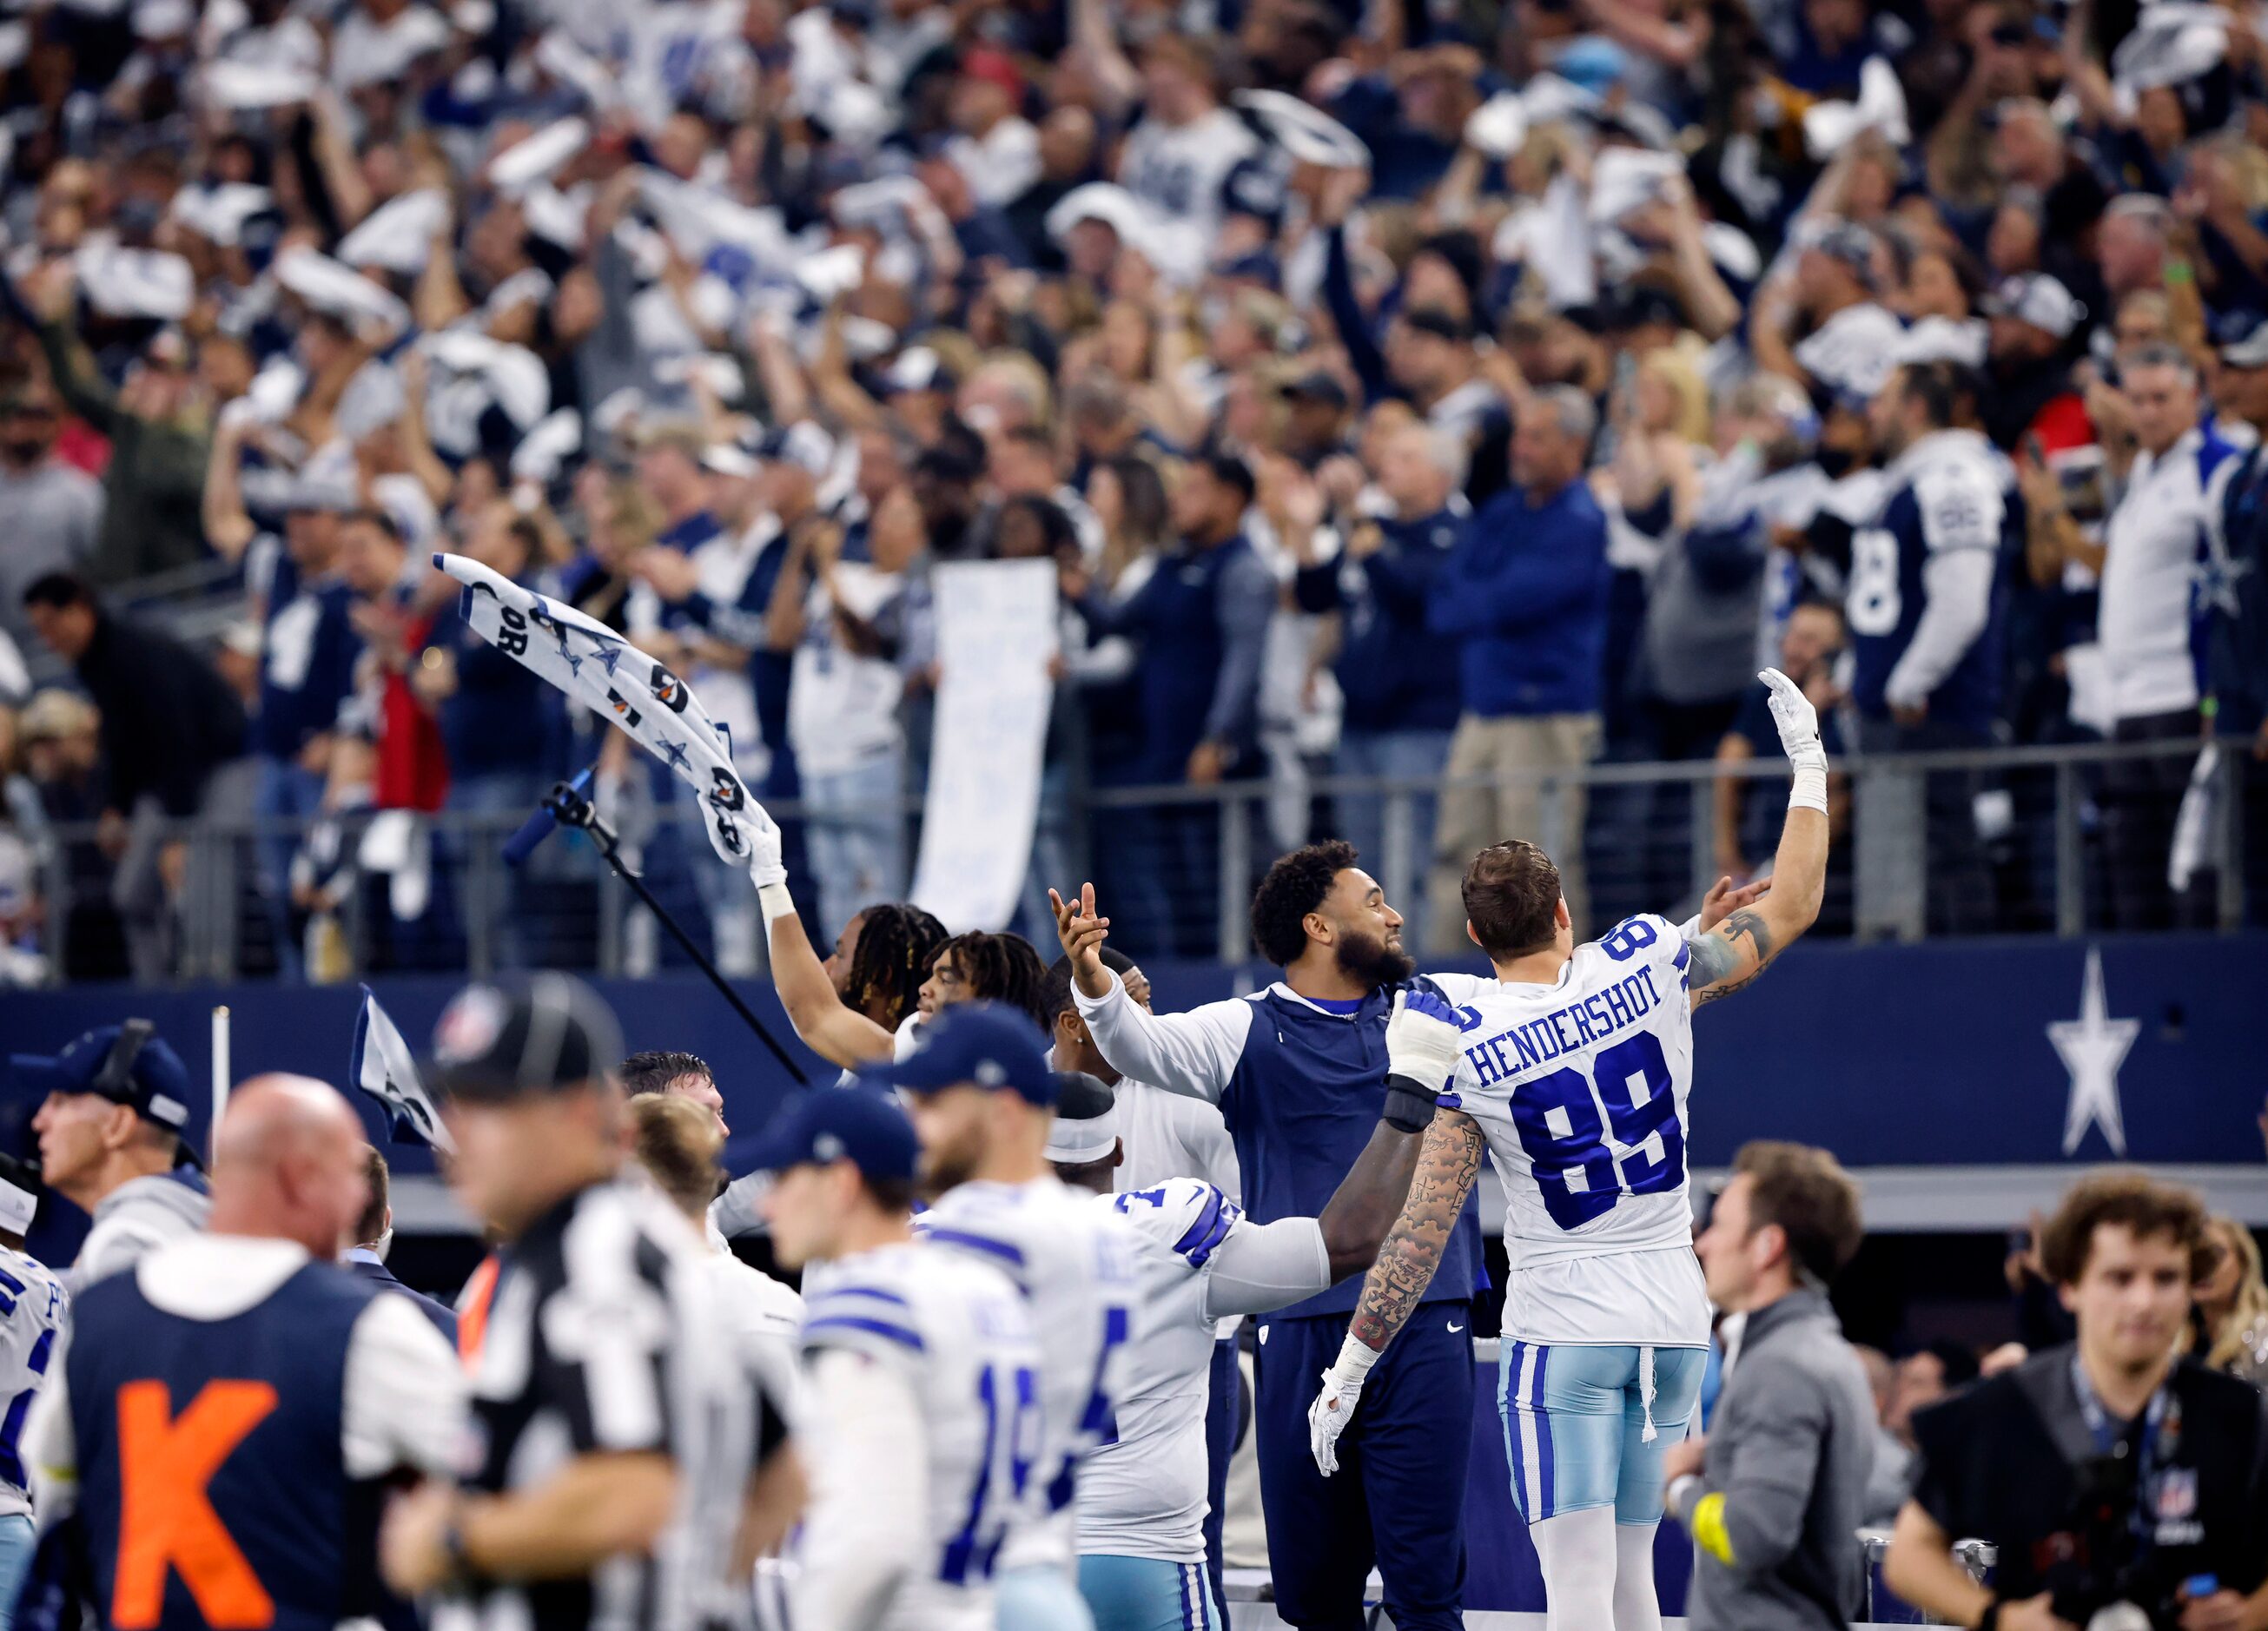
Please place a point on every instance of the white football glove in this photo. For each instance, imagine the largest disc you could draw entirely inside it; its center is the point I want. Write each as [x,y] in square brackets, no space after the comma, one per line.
[1334,1407]
[767,870]
[1797,719]
[1422,1040]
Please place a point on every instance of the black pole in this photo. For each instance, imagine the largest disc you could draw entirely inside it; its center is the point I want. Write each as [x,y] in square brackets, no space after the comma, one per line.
[572,808]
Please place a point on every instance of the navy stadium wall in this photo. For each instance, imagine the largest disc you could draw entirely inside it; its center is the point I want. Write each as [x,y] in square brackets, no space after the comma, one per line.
[1959,1054]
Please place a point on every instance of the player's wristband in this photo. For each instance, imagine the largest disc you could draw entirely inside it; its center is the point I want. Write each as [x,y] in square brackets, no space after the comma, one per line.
[1409,1103]
[1355,1359]
[777,903]
[1810,789]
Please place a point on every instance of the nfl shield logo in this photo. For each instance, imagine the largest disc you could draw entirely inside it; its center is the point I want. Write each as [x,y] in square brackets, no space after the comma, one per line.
[2176,1494]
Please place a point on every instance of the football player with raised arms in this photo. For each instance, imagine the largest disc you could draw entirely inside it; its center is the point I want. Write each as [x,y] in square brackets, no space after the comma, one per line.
[1571,1069]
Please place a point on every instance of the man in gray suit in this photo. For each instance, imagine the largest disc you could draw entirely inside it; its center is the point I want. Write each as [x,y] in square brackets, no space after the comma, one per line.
[1774,1494]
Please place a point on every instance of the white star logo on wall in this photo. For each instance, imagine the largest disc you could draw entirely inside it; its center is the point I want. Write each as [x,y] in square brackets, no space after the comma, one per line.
[2093,1046]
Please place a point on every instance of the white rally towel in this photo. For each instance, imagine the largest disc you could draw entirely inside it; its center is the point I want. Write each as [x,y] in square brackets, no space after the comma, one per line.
[383,1067]
[594,665]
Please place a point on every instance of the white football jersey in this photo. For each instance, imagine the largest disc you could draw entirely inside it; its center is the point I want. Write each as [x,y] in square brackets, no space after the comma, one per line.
[1172,1135]
[1198,1258]
[1074,1263]
[34,1308]
[958,1330]
[1581,1088]
[763,1318]
[1179,170]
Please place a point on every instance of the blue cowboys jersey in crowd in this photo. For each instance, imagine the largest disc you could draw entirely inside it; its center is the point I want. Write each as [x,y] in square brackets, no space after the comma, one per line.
[1946,494]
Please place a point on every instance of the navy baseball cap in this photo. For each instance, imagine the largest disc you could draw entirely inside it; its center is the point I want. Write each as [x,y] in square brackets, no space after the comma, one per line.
[2249,347]
[827,1124]
[973,1045]
[127,1064]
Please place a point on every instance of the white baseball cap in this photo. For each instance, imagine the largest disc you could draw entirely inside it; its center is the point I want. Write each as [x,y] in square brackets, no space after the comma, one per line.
[2037,299]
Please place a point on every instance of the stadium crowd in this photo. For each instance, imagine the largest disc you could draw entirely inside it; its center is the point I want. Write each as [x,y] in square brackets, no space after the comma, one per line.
[1401,389]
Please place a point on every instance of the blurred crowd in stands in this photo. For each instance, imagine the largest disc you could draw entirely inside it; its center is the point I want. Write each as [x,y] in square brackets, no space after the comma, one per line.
[1402,390]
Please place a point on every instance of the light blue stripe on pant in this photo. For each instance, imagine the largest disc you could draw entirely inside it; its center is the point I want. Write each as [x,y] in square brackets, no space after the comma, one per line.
[1574,1425]
[1148,1594]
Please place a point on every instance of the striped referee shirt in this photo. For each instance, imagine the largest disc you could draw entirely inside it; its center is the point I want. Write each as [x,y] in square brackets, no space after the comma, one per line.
[602,1340]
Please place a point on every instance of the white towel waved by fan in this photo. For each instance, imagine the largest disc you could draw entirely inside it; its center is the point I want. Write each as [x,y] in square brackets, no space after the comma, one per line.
[595,666]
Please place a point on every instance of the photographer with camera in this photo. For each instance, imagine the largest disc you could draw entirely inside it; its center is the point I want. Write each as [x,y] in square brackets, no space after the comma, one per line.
[2126,1487]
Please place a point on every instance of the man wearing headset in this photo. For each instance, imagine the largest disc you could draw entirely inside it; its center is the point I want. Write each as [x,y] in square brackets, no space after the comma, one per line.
[115,1140]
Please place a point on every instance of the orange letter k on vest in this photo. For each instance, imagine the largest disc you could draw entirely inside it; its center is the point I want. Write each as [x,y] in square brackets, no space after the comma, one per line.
[165,1463]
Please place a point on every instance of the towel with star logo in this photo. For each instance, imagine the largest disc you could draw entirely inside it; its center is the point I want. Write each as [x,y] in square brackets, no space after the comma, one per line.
[597,668]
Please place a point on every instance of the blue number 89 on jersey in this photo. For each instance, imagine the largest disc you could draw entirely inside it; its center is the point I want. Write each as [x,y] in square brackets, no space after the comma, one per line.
[1627,938]
[1560,1129]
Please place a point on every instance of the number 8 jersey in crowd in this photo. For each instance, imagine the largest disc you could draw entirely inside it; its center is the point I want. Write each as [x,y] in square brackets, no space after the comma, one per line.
[1579,1087]
[1075,1267]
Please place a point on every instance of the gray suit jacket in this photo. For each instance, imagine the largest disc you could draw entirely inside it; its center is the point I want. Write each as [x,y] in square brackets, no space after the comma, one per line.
[1790,1450]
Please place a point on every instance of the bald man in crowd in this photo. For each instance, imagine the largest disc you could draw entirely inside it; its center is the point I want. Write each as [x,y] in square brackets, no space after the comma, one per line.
[224,1414]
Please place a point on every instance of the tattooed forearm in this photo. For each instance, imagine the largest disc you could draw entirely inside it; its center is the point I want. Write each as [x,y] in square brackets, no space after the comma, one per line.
[1730,956]
[1713,958]
[1447,1164]
[1709,994]
[1752,923]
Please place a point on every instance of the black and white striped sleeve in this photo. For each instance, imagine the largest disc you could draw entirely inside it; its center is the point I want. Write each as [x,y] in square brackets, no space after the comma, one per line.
[605,1329]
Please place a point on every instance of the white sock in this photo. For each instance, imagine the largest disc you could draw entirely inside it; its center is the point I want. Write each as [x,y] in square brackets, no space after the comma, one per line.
[1636,1608]
[1576,1550]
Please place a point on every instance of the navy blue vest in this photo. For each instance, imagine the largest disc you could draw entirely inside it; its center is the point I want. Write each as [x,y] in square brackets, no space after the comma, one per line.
[239,1416]
[1300,1106]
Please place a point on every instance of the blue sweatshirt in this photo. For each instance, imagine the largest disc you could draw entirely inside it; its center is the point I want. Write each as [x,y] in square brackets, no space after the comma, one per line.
[307,670]
[1202,621]
[1527,592]
[2230,631]
[1393,674]
[495,720]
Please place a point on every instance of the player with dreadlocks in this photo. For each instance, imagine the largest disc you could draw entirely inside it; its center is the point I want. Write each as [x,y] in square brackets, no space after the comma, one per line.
[892,966]
[995,968]
[851,1009]
[881,959]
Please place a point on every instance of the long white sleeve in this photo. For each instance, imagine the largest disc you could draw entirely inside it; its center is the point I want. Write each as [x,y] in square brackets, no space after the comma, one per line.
[1195,1053]
[50,1445]
[1959,587]
[1262,1267]
[868,1524]
[407,1394]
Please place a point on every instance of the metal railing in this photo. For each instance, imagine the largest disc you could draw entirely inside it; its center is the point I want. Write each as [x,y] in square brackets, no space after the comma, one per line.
[2025,841]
